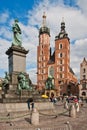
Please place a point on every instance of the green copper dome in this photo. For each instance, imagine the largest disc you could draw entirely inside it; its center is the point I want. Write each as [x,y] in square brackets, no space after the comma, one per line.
[44,30]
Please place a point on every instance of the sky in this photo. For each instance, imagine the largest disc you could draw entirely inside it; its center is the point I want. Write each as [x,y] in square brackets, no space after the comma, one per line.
[29,13]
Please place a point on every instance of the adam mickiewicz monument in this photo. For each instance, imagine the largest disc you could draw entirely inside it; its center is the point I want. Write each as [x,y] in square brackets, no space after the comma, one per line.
[16,82]
[16,54]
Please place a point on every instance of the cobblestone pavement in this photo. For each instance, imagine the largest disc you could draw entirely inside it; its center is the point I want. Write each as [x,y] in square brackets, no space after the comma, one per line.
[49,120]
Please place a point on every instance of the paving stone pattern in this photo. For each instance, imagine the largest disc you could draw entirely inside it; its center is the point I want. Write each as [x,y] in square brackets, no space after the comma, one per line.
[49,120]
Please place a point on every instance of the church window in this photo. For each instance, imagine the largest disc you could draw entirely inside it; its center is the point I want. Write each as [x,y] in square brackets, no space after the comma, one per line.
[60,75]
[84,70]
[84,76]
[42,58]
[60,46]
[60,68]
[84,86]
[60,61]
[42,71]
[60,55]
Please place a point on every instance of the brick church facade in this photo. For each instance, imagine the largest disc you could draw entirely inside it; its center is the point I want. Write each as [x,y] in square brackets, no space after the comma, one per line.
[56,64]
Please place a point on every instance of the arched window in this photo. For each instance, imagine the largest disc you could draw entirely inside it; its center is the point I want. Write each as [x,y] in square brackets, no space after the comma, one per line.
[83,93]
[84,76]
[60,68]
[84,70]
[84,85]
[60,61]
[60,75]
[60,55]
[60,46]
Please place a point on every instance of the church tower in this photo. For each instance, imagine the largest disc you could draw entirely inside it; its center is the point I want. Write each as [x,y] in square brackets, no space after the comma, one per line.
[62,57]
[65,79]
[43,54]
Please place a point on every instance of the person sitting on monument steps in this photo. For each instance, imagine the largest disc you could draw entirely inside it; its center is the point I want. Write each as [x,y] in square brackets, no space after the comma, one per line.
[30,102]
[16,34]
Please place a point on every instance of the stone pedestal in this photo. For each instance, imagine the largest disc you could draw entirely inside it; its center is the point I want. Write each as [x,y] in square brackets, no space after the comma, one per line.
[17,62]
[35,117]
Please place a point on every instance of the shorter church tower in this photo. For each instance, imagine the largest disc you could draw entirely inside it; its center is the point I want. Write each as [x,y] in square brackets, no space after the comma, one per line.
[62,58]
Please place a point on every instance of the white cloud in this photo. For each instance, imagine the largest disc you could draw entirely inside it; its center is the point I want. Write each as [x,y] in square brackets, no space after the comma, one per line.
[4,44]
[82,5]
[33,75]
[78,52]
[6,32]
[3,17]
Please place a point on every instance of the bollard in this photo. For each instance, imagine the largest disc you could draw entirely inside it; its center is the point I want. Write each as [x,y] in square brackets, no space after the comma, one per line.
[35,117]
[72,111]
[68,126]
[38,129]
[77,107]
[66,105]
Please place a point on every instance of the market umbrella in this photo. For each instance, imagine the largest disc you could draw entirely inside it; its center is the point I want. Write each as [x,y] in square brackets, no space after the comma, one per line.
[44,96]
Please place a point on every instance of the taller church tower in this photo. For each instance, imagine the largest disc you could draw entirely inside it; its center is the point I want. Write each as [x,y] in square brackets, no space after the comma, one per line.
[43,54]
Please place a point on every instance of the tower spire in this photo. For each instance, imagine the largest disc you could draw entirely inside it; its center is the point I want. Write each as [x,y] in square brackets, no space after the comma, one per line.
[62,19]
[44,20]
[44,28]
[62,33]
[62,25]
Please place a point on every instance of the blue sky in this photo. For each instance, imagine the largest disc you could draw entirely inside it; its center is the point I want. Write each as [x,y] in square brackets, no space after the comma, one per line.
[29,13]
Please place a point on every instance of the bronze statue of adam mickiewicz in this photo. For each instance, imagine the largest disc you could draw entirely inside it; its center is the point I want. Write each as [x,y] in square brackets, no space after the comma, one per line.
[16,34]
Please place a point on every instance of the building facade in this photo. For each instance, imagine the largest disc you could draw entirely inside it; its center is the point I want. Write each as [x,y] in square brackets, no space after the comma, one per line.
[83,78]
[56,64]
